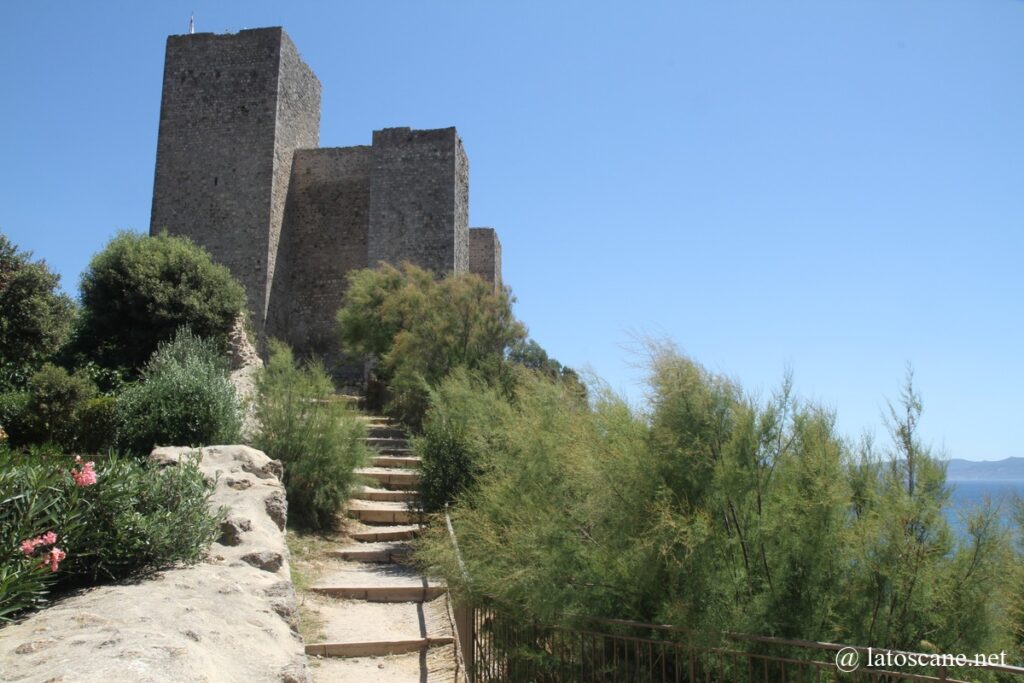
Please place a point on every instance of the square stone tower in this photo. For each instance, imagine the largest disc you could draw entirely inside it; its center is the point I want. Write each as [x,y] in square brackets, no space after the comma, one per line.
[234,109]
[239,170]
[485,255]
[419,199]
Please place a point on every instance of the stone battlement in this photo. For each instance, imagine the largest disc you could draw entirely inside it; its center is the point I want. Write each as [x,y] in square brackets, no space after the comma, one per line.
[239,170]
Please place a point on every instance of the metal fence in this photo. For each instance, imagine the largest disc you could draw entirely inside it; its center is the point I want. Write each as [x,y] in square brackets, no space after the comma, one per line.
[495,648]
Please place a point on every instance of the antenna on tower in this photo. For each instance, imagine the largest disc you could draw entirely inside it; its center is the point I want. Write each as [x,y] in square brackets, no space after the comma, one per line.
[192,23]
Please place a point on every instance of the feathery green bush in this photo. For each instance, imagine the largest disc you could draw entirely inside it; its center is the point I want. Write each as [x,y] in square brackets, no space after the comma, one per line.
[465,420]
[718,512]
[416,329]
[319,440]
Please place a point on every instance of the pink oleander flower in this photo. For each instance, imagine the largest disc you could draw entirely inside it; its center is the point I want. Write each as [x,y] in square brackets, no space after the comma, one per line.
[29,545]
[54,558]
[86,476]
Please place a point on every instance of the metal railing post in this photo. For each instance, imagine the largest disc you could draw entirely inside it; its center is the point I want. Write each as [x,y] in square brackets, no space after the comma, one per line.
[465,632]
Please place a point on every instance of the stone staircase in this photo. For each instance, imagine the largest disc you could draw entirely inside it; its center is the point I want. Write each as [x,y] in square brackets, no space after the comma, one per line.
[382,620]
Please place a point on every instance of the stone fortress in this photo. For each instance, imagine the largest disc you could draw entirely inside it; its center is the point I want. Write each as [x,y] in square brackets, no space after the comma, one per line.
[239,170]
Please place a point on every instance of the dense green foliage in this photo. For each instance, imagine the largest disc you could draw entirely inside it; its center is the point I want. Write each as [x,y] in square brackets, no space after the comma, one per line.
[61,409]
[714,511]
[465,420]
[13,405]
[319,439]
[133,518]
[35,318]
[53,410]
[139,290]
[416,329]
[184,398]
[97,425]
[530,354]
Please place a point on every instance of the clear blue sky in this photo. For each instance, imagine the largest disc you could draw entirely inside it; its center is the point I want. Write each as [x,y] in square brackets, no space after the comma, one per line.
[834,187]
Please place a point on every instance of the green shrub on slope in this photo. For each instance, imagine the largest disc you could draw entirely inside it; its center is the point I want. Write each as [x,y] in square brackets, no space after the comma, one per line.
[35,318]
[463,425]
[719,512]
[183,399]
[139,290]
[417,329]
[319,439]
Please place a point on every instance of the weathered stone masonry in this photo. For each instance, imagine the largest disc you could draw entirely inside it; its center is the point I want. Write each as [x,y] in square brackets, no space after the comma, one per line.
[234,109]
[239,171]
[485,254]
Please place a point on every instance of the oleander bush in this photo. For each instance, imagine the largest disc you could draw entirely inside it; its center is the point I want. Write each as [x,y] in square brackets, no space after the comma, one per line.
[67,522]
[319,439]
[183,399]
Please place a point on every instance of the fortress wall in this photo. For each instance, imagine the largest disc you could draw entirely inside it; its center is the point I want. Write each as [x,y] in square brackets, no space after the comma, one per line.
[298,127]
[485,255]
[238,171]
[233,108]
[418,199]
[325,236]
[461,226]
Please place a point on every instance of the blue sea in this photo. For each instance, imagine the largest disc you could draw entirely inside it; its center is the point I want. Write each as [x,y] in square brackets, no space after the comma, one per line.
[969,494]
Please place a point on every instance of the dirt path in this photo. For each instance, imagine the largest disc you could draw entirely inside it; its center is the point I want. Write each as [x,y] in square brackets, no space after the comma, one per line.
[365,614]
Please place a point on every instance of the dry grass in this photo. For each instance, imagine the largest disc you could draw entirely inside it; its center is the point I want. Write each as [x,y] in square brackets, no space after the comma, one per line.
[308,550]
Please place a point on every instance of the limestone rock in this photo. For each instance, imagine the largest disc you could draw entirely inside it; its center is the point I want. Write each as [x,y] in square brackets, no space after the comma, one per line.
[276,506]
[230,618]
[245,367]
[231,530]
[266,560]
[243,352]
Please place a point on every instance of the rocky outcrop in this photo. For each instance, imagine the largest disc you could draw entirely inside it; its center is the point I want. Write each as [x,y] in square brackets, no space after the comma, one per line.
[230,618]
[245,366]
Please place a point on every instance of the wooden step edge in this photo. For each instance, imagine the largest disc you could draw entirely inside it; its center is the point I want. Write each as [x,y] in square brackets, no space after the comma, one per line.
[376,648]
[394,452]
[398,479]
[375,555]
[389,473]
[383,536]
[386,496]
[387,516]
[396,461]
[382,593]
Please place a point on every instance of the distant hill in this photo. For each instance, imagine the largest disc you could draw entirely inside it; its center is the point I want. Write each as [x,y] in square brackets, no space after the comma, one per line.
[1010,469]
